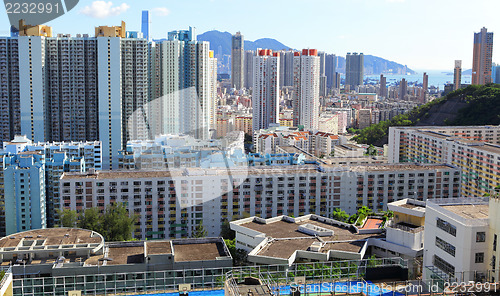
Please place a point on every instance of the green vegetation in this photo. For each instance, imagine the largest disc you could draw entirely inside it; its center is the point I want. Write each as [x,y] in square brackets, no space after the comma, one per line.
[226,232]
[248,139]
[114,223]
[371,151]
[2,274]
[374,262]
[67,218]
[200,231]
[340,215]
[362,213]
[239,255]
[483,108]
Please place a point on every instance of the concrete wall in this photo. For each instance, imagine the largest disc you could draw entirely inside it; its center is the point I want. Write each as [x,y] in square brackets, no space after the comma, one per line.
[414,241]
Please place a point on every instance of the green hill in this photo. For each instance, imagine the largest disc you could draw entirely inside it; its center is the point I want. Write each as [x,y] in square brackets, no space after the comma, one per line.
[473,105]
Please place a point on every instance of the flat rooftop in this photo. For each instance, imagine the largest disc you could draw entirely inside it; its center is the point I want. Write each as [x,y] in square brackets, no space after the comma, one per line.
[284,248]
[245,170]
[469,211]
[293,149]
[398,167]
[198,252]
[53,236]
[372,223]
[284,229]
[156,248]
[286,238]
[125,255]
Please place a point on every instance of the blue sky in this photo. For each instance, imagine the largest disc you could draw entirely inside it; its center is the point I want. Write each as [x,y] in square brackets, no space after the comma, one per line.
[424,34]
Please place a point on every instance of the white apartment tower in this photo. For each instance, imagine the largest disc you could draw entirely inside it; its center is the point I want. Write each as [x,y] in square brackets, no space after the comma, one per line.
[31,86]
[110,109]
[187,86]
[306,71]
[265,92]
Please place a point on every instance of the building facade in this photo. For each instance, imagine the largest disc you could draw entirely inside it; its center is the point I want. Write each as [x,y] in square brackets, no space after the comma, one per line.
[306,77]
[237,61]
[482,57]
[354,69]
[473,149]
[265,90]
[23,192]
[172,203]
[457,75]
[455,240]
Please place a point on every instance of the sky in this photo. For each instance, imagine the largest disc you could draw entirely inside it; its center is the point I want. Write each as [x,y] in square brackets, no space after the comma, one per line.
[422,34]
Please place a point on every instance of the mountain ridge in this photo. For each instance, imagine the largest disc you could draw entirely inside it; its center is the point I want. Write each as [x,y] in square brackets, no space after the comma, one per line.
[373,64]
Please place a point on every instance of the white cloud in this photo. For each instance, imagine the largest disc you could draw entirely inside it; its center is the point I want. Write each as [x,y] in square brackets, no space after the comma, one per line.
[103,9]
[395,1]
[161,11]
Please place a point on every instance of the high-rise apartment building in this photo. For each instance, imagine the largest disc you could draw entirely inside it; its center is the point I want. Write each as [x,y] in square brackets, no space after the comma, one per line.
[323,90]
[288,57]
[52,90]
[330,69]
[187,86]
[265,98]
[457,75]
[173,203]
[59,157]
[482,57]
[473,149]
[237,59]
[382,86]
[354,69]
[248,69]
[306,89]
[322,62]
[71,95]
[403,89]
[23,192]
[425,87]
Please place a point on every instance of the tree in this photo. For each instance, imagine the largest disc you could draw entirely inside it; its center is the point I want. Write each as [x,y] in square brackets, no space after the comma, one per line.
[332,154]
[239,255]
[340,215]
[91,219]
[118,224]
[67,217]
[200,231]
[226,231]
[248,139]
[372,151]
[115,224]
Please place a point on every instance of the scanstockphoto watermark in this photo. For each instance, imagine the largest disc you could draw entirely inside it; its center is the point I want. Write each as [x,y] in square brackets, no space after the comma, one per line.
[399,288]
[36,12]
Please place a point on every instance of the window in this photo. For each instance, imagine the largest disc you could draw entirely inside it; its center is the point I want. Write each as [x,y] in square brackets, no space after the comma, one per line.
[447,247]
[443,265]
[479,257]
[480,237]
[441,224]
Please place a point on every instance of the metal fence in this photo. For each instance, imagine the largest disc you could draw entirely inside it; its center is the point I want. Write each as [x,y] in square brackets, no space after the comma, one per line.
[201,279]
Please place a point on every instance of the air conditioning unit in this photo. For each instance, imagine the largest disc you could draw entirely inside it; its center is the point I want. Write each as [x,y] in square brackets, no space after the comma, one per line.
[74,293]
